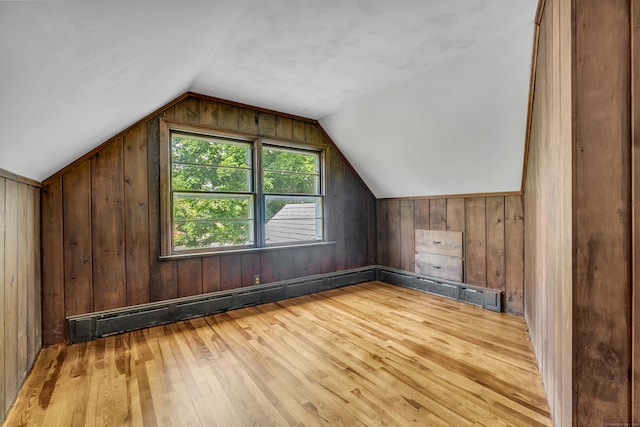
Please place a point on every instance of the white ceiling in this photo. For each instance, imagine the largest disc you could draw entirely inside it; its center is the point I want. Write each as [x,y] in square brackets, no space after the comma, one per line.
[380,74]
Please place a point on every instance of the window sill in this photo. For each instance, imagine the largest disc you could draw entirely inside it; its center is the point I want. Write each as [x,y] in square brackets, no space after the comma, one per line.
[244,251]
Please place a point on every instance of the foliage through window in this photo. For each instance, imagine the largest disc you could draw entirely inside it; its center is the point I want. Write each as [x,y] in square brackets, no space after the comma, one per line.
[221,198]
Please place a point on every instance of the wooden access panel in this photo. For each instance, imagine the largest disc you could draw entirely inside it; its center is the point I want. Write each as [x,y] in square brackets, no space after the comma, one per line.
[439,254]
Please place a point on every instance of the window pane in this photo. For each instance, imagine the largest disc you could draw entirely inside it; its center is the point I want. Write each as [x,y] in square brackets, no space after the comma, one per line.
[212,234]
[288,183]
[212,220]
[290,171]
[277,159]
[209,151]
[208,178]
[290,219]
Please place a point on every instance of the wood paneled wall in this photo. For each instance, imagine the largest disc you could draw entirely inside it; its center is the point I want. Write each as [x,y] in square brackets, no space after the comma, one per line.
[579,285]
[20,325]
[548,263]
[101,227]
[493,232]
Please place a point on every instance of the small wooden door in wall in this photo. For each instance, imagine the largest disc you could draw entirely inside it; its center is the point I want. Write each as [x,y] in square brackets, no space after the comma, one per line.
[439,254]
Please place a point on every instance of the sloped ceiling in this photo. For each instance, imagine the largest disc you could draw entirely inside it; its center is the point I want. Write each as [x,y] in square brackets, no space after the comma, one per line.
[424,97]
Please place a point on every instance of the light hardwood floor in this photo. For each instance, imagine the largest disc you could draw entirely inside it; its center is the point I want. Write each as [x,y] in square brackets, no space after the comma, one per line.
[364,355]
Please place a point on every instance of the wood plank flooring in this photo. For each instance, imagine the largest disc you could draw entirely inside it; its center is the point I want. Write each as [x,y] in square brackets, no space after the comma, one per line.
[365,355]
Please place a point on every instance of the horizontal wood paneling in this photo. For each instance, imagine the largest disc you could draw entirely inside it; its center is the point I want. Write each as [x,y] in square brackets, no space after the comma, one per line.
[476,218]
[120,245]
[20,319]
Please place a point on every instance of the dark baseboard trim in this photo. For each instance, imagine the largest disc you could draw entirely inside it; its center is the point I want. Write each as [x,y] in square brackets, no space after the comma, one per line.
[489,299]
[90,326]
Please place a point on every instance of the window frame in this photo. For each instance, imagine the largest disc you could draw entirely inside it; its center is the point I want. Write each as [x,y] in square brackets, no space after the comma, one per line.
[167,127]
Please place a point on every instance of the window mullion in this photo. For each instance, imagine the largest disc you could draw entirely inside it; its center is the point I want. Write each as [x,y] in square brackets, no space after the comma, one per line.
[259,202]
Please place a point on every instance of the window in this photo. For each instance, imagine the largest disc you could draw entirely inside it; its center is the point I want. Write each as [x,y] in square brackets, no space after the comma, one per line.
[232,193]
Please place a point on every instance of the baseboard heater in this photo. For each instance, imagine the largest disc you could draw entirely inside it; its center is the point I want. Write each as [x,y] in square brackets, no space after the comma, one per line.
[94,325]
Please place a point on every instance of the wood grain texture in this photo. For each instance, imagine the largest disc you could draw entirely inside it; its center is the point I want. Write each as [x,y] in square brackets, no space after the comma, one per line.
[136,203]
[407,235]
[125,215]
[441,266]
[438,214]
[455,214]
[514,255]
[439,242]
[108,236]
[78,268]
[635,170]
[53,309]
[11,309]
[601,177]
[421,214]
[189,277]
[211,274]
[20,319]
[288,363]
[495,234]
[484,226]
[475,271]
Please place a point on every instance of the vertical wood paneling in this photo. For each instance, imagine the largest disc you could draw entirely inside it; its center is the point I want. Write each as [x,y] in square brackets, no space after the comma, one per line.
[422,214]
[20,326]
[78,269]
[486,223]
[455,214]
[211,274]
[11,292]
[228,117]
[269,266]
[438,214]
[2,290]
[23,264]
[250,268]
[314,261]
[495,243]
[248,121]
[313,135]
[284,127]
[230,272]
[328,259]
[514,254]
[35,307]
[189,277]
[208,114]
[372,222]
[635,170]
[136,202]
[30,284]
[475,248]
[300,263]
[266,124]
[299,131]
[125,230]
[601,208]
[163,275]
[108,228]
[394,234]
[53,297]
[407,235]
[285,264]
[188,110]
[37,282]
[382,208]
[339,201]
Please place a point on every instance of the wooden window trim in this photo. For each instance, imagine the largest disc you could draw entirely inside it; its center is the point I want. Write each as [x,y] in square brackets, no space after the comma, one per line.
[166,220]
